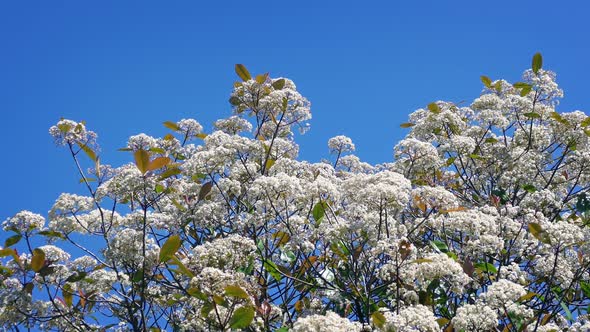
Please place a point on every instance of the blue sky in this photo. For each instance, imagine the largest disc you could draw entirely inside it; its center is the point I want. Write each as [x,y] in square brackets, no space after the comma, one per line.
[125,67]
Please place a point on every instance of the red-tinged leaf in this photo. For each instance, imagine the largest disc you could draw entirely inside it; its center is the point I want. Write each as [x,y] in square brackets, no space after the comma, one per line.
[205,190]
[158,163]
[142,160]
[468,267]
[243,72]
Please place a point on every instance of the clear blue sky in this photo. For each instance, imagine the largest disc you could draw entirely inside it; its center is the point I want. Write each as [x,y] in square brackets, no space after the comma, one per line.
[127,66]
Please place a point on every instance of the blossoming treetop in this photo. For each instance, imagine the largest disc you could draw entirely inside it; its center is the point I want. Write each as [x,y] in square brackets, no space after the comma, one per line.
[479,224]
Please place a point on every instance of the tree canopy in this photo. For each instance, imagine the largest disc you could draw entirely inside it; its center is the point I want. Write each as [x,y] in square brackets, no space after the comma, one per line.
[480,223]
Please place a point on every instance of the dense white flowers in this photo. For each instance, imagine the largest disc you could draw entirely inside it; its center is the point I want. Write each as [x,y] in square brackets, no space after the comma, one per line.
[24,221]
[480,223]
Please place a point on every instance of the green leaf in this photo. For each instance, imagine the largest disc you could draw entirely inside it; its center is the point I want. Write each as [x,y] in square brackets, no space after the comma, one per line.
[538,232]
[236,291]
[89,152]
[234,100]
[279,84]
[205,189]
[243,72]
[272,268]
[52,234]
[169,172]
[585,288]
[525,91]
[450,161]
[491,140]
[434,108]
[319,211]
[557,117]
[12,240]
[142,160]
[530,188]
[206,309]
[487,82]
[407,125]
[242,317]
[521,85]
[77,276]
[585,122]
[169,248]
[486,267]
[439,246]
[532,115]
[498,86]
[38,260]
[537,62]
[181,268]
[378,319]
[567,312]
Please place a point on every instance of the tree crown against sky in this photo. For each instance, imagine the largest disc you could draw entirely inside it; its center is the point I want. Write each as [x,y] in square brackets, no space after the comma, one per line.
[479,224]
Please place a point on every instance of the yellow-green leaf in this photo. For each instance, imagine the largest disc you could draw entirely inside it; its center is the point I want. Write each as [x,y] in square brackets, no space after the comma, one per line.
[260,79]
[279,84]
[89,152]
[236,291]
[242,317]
[158,163]
[538,232]
[422,260]
[407,125]
[169,248]
[142,160]
[434,108]
[378,319]
[527,297]
[487,82]
[243,72]
[442,321]
[12,240]
[67,294]
[38,260]
[171,125]
[269,164]
[537,62]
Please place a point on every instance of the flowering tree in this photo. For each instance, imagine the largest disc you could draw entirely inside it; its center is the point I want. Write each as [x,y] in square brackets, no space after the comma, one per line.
[481,223]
